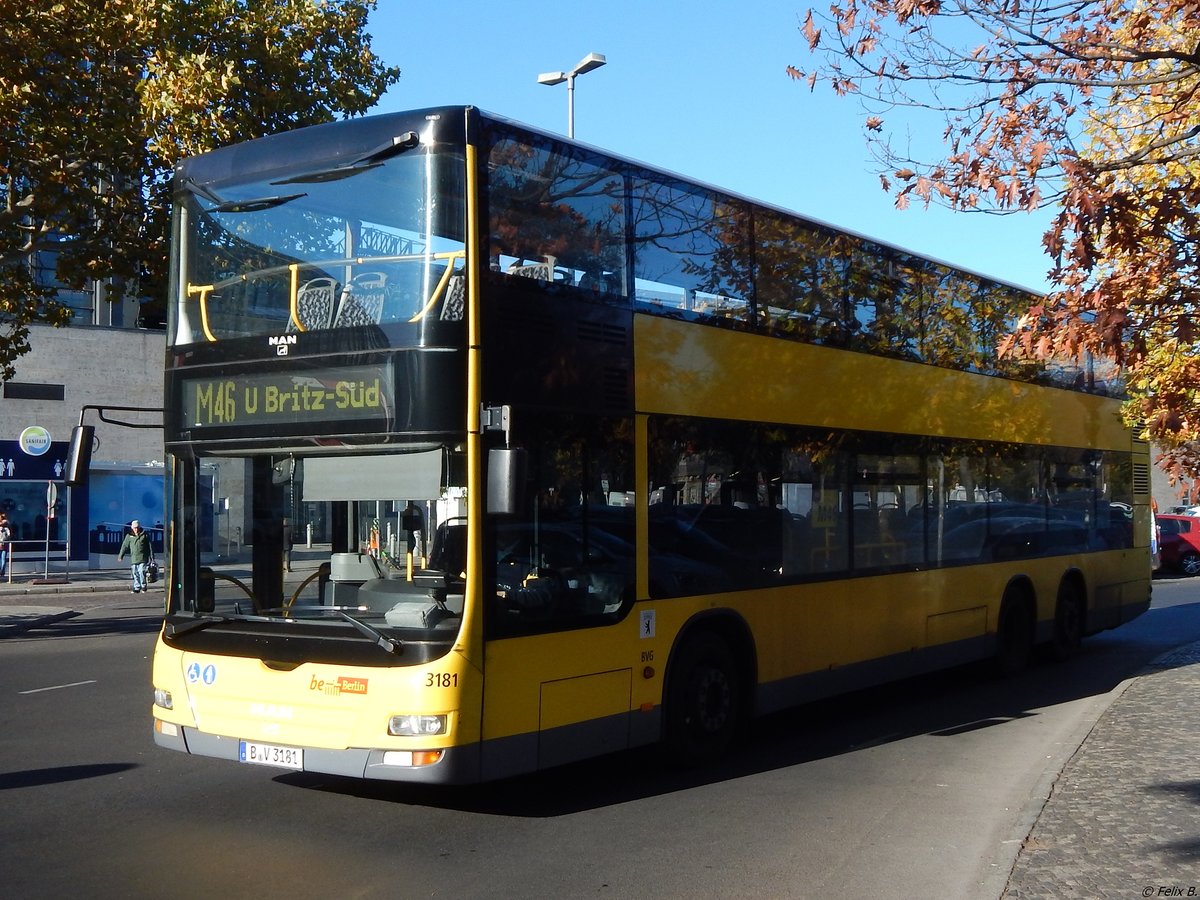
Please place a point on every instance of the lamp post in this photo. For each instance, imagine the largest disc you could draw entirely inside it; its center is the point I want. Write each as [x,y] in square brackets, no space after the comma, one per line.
[589,62]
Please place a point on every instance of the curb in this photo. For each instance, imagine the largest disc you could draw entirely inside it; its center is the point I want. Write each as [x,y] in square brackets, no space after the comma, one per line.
[31,588]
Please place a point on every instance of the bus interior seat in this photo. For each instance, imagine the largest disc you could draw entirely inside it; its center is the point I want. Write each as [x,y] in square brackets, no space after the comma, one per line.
[362,300]
[315,300]
[355,567]
[542,271]
[455,301]
[603,284]
[866,525]
[892,521]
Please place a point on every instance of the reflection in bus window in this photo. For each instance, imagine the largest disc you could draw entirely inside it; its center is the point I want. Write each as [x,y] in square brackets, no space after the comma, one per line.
[692,255]
[797,283]
[768,504]
[556,217]
[567,559]
[359,250]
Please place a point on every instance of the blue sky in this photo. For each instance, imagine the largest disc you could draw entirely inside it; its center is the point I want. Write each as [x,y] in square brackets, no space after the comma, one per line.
[698,88]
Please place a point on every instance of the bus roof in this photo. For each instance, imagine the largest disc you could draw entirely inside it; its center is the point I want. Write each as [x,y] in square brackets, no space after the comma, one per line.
[349,139]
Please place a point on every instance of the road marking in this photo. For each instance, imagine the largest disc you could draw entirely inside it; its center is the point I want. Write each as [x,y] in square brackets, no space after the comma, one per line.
[58,687]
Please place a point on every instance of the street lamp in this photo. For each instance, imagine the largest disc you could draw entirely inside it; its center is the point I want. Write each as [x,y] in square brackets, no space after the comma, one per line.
[589,62]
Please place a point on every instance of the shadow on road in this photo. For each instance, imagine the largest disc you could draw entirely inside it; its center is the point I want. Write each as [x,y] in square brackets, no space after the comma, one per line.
[60,775]
[943,705]
[92,627]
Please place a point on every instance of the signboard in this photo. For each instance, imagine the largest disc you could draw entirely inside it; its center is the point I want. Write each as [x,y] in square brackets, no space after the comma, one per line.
[35,440]
[335,394]
[16,464]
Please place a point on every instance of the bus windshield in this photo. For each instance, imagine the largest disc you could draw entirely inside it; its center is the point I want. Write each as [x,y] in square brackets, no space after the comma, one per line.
[375,241]
[337,549]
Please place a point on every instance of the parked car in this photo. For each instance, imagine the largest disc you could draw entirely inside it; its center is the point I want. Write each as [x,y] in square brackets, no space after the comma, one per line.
[1155,542]
[1179,544]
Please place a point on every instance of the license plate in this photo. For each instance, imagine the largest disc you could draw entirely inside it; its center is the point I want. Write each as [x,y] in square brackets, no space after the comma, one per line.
[270,755]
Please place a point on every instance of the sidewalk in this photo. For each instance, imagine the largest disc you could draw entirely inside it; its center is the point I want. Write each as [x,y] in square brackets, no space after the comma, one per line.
[84,581]
[26,604]
[1123,817]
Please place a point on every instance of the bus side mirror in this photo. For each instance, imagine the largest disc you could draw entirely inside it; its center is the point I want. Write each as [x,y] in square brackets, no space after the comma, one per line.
[505,480]
[79,456]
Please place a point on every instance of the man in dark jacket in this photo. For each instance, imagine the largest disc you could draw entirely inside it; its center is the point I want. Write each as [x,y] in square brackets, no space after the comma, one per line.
[137,547]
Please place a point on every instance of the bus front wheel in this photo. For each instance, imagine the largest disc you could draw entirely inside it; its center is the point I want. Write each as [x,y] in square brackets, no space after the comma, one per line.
[1014,640]
[1069,614]
[703,701]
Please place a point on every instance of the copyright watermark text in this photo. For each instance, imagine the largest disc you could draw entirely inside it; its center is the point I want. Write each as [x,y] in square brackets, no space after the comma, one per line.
[1170,890]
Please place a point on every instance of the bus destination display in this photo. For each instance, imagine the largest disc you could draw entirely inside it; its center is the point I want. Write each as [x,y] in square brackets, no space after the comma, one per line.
[324,395]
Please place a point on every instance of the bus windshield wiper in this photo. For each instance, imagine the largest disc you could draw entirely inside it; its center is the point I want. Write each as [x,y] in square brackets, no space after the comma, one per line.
[397,145]
[334,174]
[176,629]
[201,190]
[255,204]
[375,634]
[290,614]
[370,160]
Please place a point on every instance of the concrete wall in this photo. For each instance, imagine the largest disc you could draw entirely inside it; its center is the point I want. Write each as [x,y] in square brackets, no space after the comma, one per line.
[1167,495]
[96,366]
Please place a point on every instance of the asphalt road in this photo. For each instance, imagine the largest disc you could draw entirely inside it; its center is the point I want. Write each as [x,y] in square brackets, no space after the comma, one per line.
[920,789]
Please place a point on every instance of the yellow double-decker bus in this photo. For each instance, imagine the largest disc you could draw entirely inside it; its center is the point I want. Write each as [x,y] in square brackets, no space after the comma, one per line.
[490,451]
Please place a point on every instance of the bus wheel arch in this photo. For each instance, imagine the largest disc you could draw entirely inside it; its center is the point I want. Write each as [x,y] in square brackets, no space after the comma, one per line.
[1015,627]
[1070,616]
[709,686]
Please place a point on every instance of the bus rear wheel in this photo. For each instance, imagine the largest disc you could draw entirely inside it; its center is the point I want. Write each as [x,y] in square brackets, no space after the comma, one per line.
[703,701]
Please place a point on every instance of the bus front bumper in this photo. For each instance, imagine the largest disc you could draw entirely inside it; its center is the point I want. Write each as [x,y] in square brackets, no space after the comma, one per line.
[457,765]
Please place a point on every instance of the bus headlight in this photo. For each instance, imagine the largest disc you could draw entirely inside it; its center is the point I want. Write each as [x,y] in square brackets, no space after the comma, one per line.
[163,699]
[413,726]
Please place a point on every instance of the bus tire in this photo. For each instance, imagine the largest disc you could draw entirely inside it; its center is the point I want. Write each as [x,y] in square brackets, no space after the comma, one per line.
[1069,612]
[703,701]
[1014,636]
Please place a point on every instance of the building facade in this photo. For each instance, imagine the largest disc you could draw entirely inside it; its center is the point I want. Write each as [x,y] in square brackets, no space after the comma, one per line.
[82,369]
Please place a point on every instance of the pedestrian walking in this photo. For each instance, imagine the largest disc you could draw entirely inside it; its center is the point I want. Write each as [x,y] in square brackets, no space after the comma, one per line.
[287,544]
[5,543]
[137,547]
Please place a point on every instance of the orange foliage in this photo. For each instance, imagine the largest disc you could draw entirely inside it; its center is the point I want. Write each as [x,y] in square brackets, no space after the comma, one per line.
[1090,108]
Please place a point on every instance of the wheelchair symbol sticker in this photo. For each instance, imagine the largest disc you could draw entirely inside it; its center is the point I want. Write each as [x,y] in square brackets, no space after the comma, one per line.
[208,674]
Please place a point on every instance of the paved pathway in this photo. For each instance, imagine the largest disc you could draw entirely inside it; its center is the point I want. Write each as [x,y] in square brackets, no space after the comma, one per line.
[1123,818]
